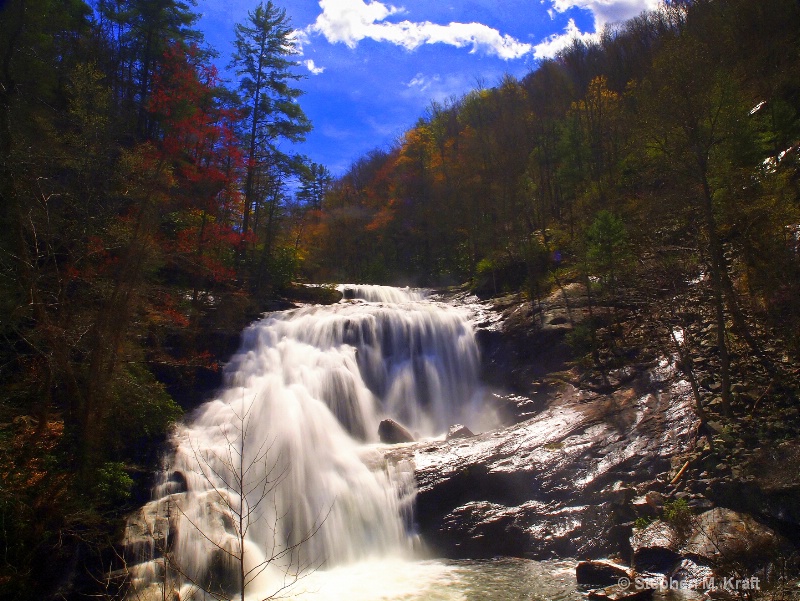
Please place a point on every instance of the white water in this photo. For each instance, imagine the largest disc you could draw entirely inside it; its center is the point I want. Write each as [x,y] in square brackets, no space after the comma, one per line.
[276,464]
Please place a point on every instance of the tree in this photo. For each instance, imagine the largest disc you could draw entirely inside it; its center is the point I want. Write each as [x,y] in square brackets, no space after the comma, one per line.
[207,537]
[691,116]
[607,249]
[598,117]
[137,34]
[262,60]
[315,181]
[71,270]
[199,145]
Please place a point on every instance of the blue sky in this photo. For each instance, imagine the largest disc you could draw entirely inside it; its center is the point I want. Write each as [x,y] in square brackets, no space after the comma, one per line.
[372,68]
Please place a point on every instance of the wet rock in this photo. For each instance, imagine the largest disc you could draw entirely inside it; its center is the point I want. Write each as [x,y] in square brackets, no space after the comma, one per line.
[513,408]
[561,478]
[390,432]
[600,573]
[620,593]
[459,431]
[655,548]
[483,530]
[558,484]
[176,483]
[146,533]
[722,534]
[322,295]
[655,500]
[221,578]
[642,508]
[530,342]
[773,494]
[690,575]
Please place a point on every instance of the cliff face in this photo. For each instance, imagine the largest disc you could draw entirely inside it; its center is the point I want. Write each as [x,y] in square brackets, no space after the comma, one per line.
[582,456]
[561,483]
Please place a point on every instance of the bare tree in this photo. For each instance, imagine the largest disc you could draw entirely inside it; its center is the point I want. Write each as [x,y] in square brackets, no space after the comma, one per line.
[242,533]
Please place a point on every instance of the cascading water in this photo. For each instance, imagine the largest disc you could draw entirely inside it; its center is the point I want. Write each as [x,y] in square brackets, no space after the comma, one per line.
[273,472]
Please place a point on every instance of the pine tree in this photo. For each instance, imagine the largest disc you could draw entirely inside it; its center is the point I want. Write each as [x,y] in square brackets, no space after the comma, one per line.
[262,60]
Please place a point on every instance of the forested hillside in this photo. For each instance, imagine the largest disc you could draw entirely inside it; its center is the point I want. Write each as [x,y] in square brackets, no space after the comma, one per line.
[671,145]
[143,205]
[658,167]
[680,123]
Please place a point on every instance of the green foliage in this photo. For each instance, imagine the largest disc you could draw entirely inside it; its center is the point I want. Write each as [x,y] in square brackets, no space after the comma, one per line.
[113,484]
[607,248]
[323,295]
[498,274]
[581,338]
[642,522]
[680,516]
[676,511]
[283,267]
[485,267]
[142,413]
[376,271]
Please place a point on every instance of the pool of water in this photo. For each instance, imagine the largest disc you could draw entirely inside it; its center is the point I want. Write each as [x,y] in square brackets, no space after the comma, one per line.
[502,579]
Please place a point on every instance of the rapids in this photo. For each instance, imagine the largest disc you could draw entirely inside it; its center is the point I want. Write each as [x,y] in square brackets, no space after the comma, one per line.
[279,479]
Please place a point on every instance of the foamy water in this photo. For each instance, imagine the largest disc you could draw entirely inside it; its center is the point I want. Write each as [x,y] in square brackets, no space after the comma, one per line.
[272,470]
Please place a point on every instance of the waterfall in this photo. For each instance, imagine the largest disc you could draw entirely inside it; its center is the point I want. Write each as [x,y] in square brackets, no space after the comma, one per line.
[281,469]
[379,294]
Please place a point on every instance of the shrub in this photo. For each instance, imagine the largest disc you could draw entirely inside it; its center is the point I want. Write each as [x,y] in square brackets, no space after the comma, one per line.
[113,484]
[679,515]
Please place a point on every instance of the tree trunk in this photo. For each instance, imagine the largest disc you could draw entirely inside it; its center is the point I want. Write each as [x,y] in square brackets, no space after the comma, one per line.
[718,272]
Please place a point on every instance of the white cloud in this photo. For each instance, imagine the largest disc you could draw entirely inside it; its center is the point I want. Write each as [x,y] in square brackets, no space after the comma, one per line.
[313,68]
[553,44]
[607,11]
[299,38]
[604,12]
[350,21]
[422,83]
[436,87]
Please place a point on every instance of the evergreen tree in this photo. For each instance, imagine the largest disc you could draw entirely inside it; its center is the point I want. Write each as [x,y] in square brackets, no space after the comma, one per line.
[315,181]
[263,61]
[137,33]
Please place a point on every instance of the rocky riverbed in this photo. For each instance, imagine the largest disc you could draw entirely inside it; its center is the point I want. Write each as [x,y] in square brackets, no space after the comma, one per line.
[560,483]
[586,467]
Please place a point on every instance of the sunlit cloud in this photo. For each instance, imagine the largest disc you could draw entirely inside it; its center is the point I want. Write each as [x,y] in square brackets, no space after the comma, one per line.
[436,87]
[557,42]
[606,11]
[350,21]
[422,83]
[313,68]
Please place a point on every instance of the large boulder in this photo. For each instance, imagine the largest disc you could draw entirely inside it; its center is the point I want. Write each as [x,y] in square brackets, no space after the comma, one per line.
[390,432]
[720,542]
[722,536]
[600,573]
[458,431]
[765,487]
[656,548]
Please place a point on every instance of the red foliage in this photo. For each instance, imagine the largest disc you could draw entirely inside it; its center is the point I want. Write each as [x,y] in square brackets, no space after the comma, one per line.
[200,145]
